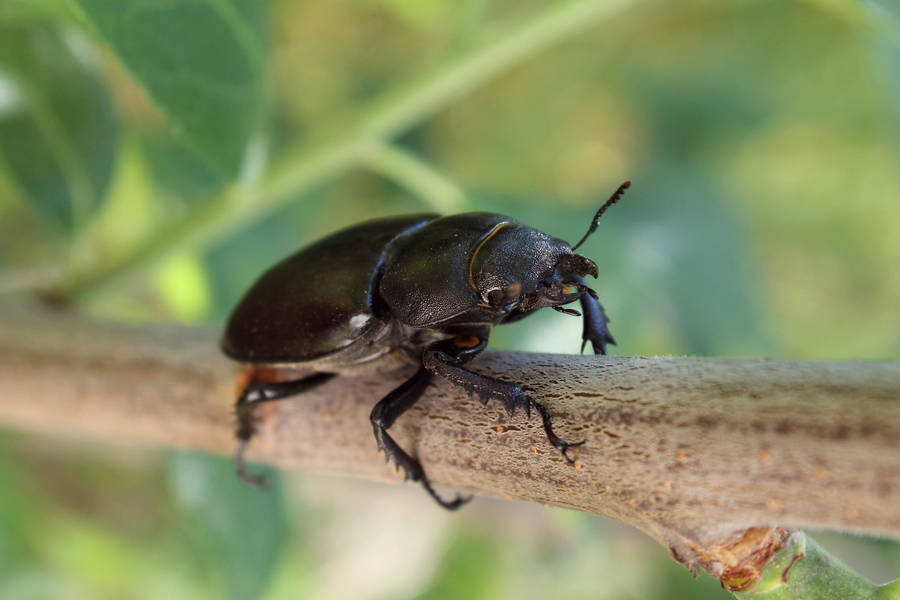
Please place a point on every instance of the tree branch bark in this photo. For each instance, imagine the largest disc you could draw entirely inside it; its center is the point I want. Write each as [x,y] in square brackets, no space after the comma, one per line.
[708,456]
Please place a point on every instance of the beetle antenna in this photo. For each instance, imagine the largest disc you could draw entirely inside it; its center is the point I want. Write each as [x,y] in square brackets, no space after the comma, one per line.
[612,200]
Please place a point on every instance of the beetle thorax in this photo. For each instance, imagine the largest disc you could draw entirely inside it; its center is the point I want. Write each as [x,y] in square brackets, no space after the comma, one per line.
[513,261]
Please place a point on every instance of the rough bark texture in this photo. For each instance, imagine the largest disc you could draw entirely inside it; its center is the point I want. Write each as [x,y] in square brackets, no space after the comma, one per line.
[708,456]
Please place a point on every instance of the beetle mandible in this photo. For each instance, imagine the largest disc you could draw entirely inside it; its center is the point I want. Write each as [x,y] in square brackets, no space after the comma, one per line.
[424,288]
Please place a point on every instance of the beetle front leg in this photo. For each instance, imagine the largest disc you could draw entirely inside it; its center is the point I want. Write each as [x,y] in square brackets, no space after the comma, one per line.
[258,393]
[595,324]
[383,416]
[445,357]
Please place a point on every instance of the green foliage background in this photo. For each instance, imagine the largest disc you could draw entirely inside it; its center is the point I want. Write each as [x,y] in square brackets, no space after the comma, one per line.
[156,156]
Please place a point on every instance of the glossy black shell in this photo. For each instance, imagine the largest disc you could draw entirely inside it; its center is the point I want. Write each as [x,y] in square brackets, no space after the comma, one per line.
[426,277]
[381,280]
[317,301]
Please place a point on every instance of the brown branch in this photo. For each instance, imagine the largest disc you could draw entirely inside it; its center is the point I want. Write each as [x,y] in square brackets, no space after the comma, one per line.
[702,454]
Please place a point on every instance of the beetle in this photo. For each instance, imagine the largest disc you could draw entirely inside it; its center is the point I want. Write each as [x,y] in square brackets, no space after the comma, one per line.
[422,288]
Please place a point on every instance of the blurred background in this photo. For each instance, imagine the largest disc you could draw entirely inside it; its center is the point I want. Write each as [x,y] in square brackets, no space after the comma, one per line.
[156,157]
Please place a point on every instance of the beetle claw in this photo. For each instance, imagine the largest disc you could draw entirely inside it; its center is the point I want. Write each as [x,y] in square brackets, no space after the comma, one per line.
[448,504]
[554,439]
[514,398]
[565,447]
[257,481]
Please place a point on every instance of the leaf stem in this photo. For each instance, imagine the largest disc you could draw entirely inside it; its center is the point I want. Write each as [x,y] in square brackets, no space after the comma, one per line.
[416,175]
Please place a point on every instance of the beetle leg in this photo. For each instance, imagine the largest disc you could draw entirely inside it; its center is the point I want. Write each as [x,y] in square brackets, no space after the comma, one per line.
[445,357]
[383,416]
[554,440]
[567,311]
[257,393]
[595,321]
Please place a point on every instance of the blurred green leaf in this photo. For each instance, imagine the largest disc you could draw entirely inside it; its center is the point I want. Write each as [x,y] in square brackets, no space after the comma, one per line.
[103,560]
[203,63]
[685,256]
[34,584]
[182,284]
[132,210]
[469,568]
[239,529]
[57,129]
[17,514]
[889,53]
[430,15]
[885,9]
[181,175]
[29,10]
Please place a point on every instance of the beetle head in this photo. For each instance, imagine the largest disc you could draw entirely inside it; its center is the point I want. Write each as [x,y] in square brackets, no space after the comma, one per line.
[517,269]
[480,268]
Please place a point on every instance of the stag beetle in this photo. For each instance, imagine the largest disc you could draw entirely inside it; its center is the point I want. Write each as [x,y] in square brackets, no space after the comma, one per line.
[424,288]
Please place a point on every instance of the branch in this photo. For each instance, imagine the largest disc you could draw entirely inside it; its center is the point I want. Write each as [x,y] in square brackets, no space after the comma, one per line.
[708,456]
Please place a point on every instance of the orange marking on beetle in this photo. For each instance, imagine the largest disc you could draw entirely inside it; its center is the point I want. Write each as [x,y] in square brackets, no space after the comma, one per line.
[466,341]
[483,241]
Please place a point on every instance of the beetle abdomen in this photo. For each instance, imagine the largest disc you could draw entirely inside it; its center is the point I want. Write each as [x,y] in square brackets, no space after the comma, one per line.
[317,301]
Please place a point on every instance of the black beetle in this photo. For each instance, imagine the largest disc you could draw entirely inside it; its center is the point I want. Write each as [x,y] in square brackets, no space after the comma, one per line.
[424,288]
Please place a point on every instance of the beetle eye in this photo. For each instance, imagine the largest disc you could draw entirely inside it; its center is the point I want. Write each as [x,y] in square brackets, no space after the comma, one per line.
[504,295]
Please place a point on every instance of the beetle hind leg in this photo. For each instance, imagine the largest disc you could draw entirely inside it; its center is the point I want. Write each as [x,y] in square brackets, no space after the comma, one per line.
[258,393]
[383,416]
